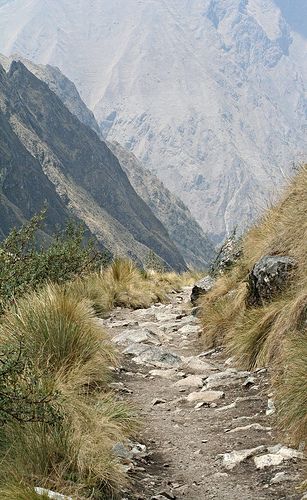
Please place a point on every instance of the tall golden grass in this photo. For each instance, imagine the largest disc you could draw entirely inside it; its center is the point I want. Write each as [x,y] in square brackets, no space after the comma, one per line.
[274,334]
[71,356]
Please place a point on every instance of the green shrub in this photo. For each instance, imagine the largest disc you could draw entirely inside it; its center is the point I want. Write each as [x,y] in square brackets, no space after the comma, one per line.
[24,265]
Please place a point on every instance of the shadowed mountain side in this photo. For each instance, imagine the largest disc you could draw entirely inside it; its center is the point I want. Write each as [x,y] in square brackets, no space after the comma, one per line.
[87,176]
[183,229]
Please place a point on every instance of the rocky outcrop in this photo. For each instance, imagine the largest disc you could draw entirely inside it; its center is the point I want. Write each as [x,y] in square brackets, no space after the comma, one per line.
[201,287]
[268,277]
[228,255]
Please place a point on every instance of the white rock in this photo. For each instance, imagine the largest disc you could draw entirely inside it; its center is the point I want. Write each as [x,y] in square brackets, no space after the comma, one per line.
[275,458]
[271,407]
[136,336]
[230,460]
[188,329]
[255,426]
[226,407]
[51,494]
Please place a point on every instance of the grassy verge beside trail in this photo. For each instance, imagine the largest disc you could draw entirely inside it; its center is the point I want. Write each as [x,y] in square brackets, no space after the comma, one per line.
[274,334]
[58,418]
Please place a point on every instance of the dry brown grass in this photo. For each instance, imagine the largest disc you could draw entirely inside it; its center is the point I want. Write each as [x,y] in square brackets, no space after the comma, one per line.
[275,334]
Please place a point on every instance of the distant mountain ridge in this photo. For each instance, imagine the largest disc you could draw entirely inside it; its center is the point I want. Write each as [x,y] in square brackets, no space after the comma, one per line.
[47,154]
[210,94]
[184,231]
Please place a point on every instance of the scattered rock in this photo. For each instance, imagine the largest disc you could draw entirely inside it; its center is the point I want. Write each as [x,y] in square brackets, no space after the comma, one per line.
[228,255]
[255,427]
[268,277]
[169,373]
[158,401]
[137,336]
[277,454]
[226,407]
[157,356]
[198,367]
[205,396]
[201,287]
[189,329]
[51,494]
[282,477]
[271,408]
[190,381]
[249,382]
[135,349]
[230,460]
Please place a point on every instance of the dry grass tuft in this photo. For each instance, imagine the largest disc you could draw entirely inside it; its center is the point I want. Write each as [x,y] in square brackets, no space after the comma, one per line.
[275,334]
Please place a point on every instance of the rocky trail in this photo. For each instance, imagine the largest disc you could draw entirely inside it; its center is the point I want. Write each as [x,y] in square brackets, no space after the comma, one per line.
[207,428]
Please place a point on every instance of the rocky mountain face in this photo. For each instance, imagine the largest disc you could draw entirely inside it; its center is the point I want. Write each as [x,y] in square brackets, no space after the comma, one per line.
[48,154]
[183,229]
[210,94]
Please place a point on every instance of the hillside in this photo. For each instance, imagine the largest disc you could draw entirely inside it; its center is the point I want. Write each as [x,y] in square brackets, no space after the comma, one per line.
[209,94]
[258,308]
[79,169]
[183,229]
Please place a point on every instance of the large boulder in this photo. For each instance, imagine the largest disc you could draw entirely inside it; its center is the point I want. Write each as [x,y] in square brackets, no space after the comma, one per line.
[229,253]
[201,287]
[268,277]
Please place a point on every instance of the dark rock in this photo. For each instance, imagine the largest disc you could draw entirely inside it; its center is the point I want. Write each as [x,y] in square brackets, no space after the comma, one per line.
[229,254]
[268,277]
[201,287]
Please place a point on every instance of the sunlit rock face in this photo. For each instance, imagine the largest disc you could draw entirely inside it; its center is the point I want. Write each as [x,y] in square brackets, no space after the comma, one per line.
[210,94]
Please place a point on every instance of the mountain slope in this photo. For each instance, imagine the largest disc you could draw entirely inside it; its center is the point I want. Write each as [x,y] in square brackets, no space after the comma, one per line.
[210,93]
[85,174]
[183,229]
[186,233]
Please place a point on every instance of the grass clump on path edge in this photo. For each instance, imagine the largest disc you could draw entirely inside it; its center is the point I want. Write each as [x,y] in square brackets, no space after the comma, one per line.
[60,421]
[273,335]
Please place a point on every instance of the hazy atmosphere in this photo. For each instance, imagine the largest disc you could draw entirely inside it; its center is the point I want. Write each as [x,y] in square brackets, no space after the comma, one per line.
[153,225]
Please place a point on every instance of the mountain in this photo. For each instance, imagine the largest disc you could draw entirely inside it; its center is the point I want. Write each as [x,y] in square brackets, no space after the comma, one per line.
[209,94]
[48,154]
[183,229]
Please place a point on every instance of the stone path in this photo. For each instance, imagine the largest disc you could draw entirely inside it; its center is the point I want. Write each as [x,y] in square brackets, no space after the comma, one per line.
[208,429]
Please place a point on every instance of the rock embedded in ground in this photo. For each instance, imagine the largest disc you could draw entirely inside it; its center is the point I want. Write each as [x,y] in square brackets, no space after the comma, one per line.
[205,396]
[268,277]
[234,458]
[201,287]
[277,455]
[196,366]
[157,356]
[190,381]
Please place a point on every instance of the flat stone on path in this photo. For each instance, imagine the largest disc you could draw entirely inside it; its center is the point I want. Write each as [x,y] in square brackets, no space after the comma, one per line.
[205,396]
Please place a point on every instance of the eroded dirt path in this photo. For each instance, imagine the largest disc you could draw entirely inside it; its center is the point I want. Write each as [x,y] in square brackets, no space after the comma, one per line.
[197,412]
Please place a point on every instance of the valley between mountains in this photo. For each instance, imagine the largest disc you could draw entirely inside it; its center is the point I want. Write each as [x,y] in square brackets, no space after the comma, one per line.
[207,428]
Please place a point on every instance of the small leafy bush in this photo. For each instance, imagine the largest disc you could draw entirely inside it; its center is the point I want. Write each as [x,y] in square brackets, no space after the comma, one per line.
[24,265]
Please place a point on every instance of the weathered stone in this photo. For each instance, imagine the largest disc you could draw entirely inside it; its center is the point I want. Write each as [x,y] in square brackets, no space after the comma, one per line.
[136,336]
[158,356]
[189,329]
[201,287]
[135,349]
[277,455]
[198,367]
[230,460]
[190,381]
[268,277]
[205,396]
[282,477]
[255,427]
[271,408]
[229,253]
[225,378]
